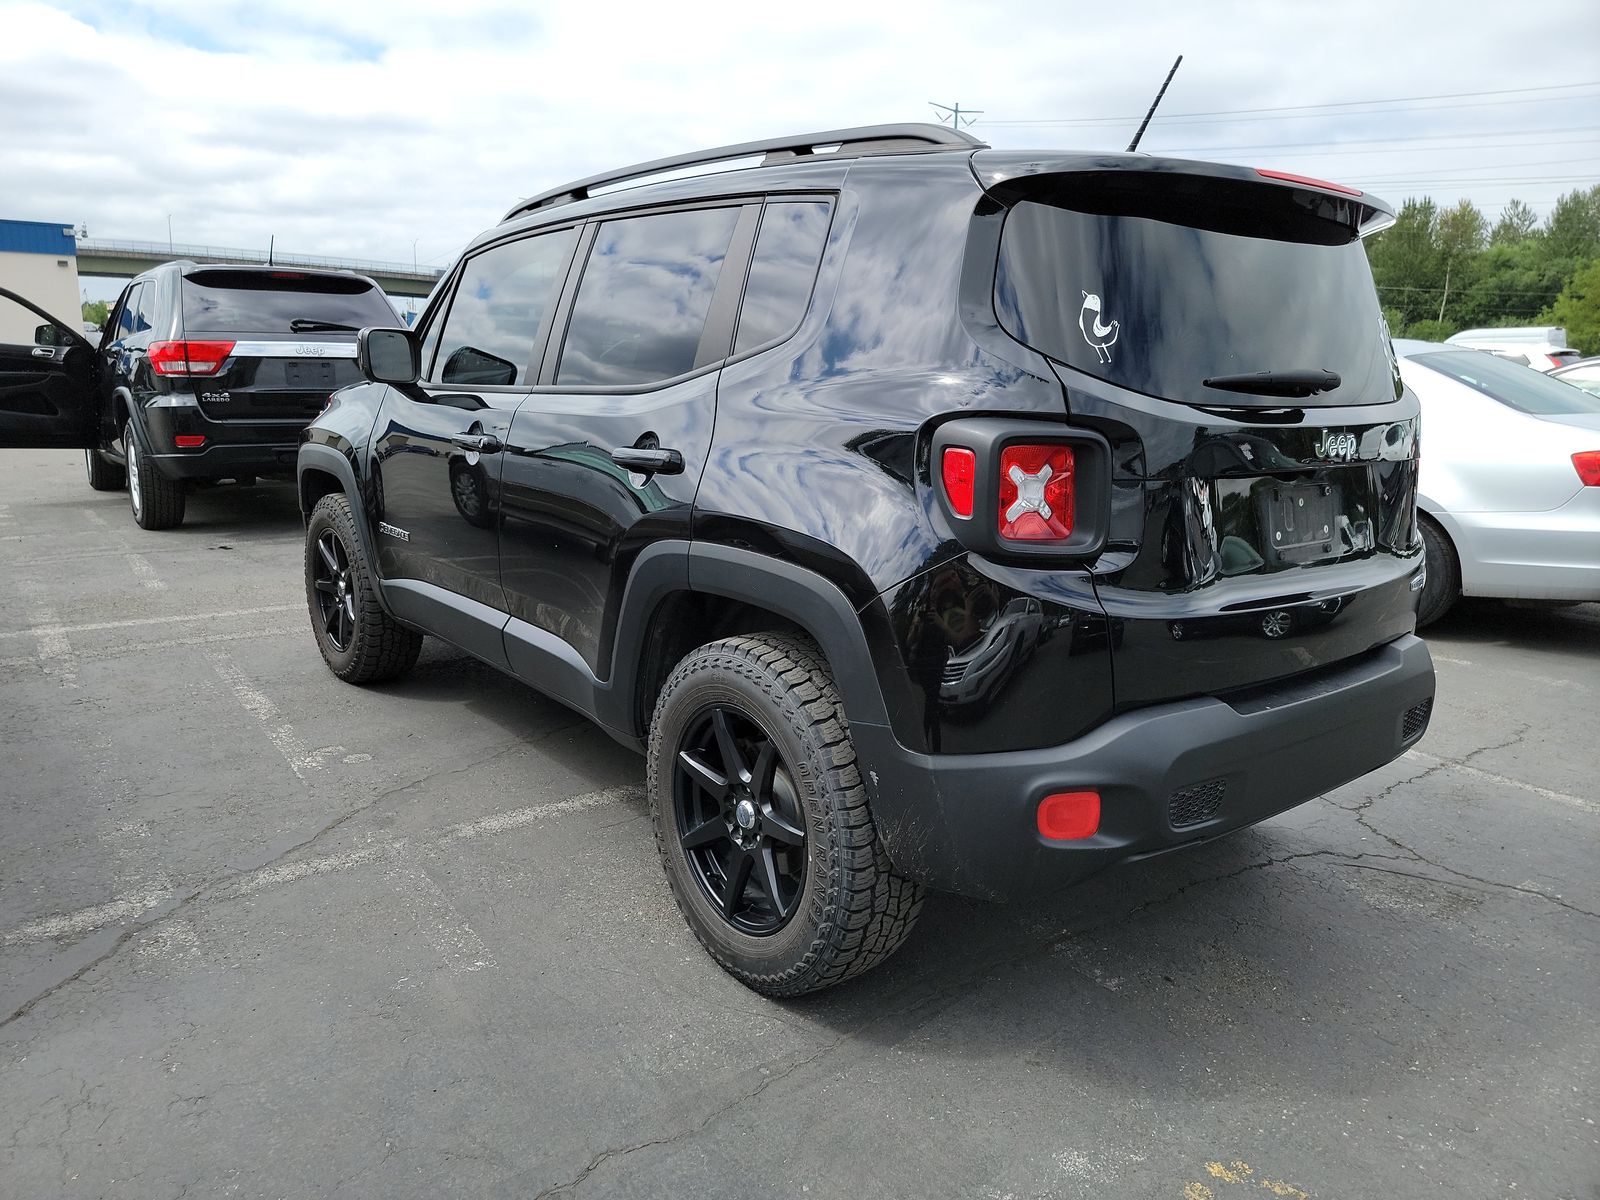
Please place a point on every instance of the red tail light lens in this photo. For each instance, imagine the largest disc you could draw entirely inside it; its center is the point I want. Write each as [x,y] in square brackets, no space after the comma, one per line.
[189,441]
[1588,464]
[1069,816]
[960,473]
[188,358]
[1036,493]
[1285,177]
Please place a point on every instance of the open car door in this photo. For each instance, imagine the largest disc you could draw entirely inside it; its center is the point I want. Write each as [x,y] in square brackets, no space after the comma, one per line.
[49,396]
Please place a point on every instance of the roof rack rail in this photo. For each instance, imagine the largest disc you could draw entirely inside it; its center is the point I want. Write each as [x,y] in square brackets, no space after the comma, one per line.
[851,143]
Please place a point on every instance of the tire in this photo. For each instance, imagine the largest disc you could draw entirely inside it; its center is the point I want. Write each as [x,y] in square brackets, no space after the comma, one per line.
[811,913]
[359,641]
[105,475]
[158,502]
[1442,588]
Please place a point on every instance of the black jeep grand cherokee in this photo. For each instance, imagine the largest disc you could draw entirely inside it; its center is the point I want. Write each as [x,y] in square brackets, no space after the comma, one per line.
[202,373]
[932,517]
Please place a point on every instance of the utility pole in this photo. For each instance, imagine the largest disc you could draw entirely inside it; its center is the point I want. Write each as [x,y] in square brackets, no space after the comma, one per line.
[958,116]
[169,233]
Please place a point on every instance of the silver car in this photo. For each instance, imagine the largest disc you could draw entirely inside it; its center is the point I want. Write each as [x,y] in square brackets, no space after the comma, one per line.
[1509,493]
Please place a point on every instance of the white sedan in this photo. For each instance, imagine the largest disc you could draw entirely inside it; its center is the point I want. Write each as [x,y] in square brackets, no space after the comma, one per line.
[1509,493]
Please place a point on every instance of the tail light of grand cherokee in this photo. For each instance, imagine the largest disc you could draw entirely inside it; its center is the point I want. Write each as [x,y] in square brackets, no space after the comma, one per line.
[1023,488]
[189,358]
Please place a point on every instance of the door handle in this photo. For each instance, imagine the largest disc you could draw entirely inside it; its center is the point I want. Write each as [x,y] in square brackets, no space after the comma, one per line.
[43,352]
[648,460]
[483,443]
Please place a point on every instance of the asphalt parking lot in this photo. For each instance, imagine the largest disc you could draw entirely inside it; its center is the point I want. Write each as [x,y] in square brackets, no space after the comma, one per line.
[265,934]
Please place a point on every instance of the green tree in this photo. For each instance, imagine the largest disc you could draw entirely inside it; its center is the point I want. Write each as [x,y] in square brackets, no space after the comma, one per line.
[1578,309]
[96,311]
[1406,265]
[1573,230]
[1511,284]
[1517,221]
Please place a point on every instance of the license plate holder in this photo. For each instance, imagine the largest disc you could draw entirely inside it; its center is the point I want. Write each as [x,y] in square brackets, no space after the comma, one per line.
[1299,520]
[308,375]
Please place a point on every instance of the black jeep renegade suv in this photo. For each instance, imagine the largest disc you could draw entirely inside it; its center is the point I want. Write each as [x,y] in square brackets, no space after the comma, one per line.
[930,516]
[202,373]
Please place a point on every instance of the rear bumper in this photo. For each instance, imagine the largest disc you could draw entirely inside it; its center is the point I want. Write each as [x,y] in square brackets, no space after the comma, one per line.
[966,823]
[231,448]
[1551,555]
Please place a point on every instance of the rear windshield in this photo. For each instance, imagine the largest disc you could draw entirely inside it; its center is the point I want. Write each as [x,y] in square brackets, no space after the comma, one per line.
[267,302]
[1514,385]
[1159,307]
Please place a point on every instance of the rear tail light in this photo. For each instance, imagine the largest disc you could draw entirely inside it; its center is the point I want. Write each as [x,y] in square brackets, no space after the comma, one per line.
[960,471]
[1285,177]
[189,441]
[1588,464]
[1036,492]
[1069,816]
[188,358]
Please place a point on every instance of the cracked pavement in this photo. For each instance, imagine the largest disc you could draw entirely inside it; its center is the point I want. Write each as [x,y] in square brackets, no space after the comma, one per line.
[262,934]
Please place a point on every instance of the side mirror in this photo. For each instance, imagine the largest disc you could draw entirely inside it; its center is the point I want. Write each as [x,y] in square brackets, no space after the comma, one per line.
[388,356]
[46,335]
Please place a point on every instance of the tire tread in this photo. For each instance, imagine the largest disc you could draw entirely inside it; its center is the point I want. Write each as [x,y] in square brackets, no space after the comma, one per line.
[868,910]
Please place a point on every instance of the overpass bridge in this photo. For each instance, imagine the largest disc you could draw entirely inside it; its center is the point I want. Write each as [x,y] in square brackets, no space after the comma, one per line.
[119,259]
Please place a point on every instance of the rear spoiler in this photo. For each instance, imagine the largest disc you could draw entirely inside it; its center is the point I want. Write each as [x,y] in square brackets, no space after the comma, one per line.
[1114,183]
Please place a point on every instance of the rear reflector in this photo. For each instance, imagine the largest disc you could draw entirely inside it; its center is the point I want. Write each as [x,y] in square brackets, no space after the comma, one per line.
[1285,177]
[1036,492]
[189,441]
[1588,464]
[1069,816]
[188,358]
[960,471]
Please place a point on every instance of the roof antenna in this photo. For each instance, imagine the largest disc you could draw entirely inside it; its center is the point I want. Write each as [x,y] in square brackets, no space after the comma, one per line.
[1134,145]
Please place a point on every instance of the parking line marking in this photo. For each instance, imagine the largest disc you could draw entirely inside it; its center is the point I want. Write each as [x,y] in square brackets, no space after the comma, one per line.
[256,702]
[1506,781]
[462,950]
[48,625]
[448,932]
[52,648]
[87,920]
[137,563]
[516,818]
[145,573]
[122,648]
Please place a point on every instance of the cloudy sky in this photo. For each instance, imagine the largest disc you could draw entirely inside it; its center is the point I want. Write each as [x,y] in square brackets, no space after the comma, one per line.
[386,130]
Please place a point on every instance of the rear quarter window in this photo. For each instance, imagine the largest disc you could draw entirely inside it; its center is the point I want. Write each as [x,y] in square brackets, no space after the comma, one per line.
[783,270]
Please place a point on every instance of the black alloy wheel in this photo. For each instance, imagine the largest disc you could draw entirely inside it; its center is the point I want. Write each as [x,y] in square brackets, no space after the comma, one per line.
[360,642]
[335,590]
[739,820]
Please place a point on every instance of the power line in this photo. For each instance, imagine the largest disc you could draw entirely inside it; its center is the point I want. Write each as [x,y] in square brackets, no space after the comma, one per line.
[1419,137]
[1292,108]
[1301,116]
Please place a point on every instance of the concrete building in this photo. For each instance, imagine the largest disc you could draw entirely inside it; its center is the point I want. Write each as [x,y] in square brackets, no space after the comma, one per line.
[38,260]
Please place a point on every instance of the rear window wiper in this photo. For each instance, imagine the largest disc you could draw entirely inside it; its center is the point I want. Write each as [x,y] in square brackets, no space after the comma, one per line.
[1276,383]
[306,325]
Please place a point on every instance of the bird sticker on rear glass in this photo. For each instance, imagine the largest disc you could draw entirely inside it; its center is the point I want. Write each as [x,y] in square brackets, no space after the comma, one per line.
[1099,334]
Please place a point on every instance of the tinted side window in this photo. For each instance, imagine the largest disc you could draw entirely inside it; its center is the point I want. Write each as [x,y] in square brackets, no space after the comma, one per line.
[498,307]
[126,317]
[782,272]
[642,305]
[145,315]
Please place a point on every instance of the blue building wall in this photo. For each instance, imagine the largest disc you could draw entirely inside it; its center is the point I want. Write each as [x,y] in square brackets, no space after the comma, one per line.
[38,237]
